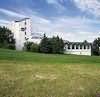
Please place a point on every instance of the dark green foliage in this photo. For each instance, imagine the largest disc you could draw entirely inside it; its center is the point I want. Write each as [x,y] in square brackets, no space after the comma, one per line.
[57,45]
[27,46]
[45,45]
[11,46]
[32,47]
[6,38]
[52,45]
[96,46]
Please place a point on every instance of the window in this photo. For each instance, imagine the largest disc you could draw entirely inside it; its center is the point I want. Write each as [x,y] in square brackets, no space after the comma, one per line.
[25,23]
[22,29]
[25,33]
[76,46]
[73,47]
[84,46]
[80,46]
[68,46]
[26,38]
[25,28]
[88,47]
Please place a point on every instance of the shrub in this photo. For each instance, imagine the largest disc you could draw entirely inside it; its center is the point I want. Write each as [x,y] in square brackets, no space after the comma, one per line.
[11,46]
[32,47]
[27,46]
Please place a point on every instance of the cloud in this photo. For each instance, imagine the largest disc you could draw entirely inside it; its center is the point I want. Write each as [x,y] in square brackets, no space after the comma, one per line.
[4,22]
[90,6]
[77,36]
[58,4]
[69,28]
[11,13]
[72,29]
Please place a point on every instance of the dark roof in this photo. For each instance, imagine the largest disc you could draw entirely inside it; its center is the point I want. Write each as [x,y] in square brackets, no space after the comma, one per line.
[78,43]
[22,20]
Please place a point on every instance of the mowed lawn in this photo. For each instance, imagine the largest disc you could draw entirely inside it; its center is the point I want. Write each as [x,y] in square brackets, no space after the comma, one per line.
[24,74]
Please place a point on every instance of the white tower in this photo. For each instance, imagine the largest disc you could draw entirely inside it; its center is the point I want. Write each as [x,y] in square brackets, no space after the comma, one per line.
[22,30]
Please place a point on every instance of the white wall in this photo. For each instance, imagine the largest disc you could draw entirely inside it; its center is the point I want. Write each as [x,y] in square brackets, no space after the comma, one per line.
[19,35]
[37,41]
[78,51]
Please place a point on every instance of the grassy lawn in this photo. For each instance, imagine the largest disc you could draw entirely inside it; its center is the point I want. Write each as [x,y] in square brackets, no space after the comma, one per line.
[24,74]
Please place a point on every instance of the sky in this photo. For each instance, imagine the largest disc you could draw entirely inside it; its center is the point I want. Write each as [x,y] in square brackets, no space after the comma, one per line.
[72,20]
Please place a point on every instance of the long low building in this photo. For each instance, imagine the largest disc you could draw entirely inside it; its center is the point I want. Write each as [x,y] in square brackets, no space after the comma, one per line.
[78,48]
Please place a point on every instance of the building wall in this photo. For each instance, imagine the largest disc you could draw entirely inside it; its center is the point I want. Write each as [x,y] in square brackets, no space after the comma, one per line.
[78,51]
[37,41]
[22,31]
[26,35]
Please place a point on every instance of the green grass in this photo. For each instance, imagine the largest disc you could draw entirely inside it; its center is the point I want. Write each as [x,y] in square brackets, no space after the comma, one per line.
[24,74]
[36,58]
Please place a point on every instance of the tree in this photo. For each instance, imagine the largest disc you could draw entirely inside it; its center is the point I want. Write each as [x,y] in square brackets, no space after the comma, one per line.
[45,45]
[52,45]
[6,38]
[57,45]
[32,47]
[28,45]
[96,46]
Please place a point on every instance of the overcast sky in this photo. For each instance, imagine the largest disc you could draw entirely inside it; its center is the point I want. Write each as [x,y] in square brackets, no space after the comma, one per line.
[73,20]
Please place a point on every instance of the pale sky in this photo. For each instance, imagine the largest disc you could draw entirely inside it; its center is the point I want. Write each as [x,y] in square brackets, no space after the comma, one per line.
[73,20]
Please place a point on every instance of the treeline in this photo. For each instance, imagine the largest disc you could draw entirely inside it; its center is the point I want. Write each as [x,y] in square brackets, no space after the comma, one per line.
[48,45]
[53,45]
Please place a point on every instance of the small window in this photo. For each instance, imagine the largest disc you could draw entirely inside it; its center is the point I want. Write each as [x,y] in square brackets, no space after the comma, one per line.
[68,46]
[25,33]
[25,23]
[84,46]
[76,46]
[25,28]
[25,38]
[80,46]
[88,46]
[73,47]
[22,29]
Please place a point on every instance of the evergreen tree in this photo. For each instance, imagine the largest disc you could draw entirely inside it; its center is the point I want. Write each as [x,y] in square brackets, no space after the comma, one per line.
[57,45]
[45,45]
[96,46]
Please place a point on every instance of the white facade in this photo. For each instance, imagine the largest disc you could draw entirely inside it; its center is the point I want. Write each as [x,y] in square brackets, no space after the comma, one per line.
[78,48]
[22,30]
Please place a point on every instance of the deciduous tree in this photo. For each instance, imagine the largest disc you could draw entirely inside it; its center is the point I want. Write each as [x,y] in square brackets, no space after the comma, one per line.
[6,38]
